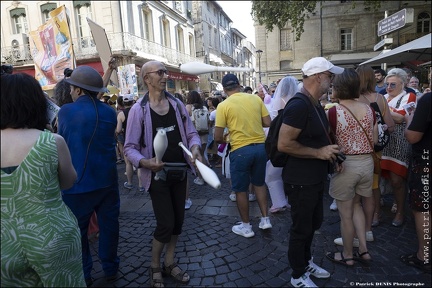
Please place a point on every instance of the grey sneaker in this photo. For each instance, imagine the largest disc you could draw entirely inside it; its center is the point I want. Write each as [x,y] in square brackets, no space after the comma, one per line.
[243,230]
[265,223]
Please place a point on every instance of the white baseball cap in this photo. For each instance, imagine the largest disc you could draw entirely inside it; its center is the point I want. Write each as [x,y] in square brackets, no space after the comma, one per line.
[320,64]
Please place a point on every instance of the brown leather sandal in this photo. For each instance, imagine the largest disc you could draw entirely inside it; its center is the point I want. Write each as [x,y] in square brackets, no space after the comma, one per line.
[158,283]
[181,276]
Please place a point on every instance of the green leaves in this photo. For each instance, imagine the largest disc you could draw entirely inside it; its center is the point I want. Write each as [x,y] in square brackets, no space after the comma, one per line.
[281,13]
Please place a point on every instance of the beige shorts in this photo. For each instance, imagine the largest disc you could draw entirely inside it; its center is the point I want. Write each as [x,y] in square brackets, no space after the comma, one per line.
[355,178]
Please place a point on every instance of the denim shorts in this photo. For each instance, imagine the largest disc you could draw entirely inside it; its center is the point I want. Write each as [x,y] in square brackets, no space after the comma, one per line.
[248,165]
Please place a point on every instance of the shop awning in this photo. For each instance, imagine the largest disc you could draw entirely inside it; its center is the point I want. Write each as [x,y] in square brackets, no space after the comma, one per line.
[182,76]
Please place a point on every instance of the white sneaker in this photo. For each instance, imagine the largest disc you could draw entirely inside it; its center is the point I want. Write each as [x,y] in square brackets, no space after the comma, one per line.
[188,204]
[338,241]
[333,205]
[243,230]
[199,181]
[233,197]
[317,271]
[369,236]
[252,197]
[265,223]
[303,281]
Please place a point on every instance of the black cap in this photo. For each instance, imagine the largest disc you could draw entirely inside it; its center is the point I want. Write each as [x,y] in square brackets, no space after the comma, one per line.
[230,79]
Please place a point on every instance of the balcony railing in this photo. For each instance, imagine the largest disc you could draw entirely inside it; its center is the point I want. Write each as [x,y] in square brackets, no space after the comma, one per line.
[120,43]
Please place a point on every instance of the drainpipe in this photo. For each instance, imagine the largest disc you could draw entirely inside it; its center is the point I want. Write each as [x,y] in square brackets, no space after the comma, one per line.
[121,25]
[321,31]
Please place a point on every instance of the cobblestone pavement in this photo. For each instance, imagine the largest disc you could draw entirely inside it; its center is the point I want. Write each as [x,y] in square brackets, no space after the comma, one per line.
[215,257]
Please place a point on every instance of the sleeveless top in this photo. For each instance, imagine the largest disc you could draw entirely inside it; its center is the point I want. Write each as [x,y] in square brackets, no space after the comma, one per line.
[350,135]
[39,232]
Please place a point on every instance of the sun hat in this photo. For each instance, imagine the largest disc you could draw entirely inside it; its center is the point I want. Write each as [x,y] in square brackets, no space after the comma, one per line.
[87,78]
[320,64]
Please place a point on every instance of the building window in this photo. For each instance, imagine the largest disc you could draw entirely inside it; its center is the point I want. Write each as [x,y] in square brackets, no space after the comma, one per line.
[191,45]
[148,25]
[178,6]
[166,36]
[285,40]
[19,20]
[82,11]
[180,40]
[46,9]
[346,39]
[423,23]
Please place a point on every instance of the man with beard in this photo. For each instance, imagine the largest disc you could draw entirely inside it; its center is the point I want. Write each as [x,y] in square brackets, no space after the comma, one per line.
[304,136]
[380,75]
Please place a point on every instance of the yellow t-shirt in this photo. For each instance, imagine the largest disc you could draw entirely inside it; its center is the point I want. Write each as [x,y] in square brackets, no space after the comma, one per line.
[242,114]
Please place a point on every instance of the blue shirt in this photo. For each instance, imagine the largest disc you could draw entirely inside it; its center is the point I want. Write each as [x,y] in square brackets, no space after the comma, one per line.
[90,137]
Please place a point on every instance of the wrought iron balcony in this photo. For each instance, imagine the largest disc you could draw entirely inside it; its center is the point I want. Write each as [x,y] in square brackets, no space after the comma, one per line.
[121,43]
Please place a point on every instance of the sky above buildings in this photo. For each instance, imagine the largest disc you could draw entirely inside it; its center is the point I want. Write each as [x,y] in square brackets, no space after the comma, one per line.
[239,12]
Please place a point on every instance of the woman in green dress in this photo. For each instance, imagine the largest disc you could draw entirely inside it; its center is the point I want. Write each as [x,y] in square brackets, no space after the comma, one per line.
[40,239]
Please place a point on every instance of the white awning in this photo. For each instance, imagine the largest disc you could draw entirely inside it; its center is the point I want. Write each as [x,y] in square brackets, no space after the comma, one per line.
[419,49]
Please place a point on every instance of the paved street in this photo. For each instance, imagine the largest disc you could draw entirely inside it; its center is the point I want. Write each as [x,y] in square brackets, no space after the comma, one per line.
[215,257]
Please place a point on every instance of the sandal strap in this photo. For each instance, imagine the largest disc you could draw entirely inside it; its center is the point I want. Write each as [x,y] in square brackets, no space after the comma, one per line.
[156,282]
[179,276]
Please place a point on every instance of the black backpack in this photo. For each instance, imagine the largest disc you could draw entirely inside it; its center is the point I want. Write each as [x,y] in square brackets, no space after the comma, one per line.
[278,159]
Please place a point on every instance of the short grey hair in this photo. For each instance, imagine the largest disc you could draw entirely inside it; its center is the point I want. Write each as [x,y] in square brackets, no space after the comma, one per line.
[398,72]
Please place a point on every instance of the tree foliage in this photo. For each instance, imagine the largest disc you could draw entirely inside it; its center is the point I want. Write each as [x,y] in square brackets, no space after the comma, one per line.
[278,13]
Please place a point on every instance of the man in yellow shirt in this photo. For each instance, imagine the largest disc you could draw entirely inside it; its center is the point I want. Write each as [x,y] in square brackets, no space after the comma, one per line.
[244,115]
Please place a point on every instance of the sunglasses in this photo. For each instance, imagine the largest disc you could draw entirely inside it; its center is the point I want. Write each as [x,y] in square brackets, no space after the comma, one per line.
[160,72]
[331,75]
[391,85]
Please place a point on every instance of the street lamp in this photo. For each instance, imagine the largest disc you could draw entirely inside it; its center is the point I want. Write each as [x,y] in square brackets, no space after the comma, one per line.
[259,63]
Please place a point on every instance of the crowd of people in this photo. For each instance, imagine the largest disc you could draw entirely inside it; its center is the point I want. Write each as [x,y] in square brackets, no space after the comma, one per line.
[344,130]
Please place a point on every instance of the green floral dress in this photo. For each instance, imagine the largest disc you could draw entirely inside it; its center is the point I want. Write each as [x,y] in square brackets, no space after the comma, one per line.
[40,238]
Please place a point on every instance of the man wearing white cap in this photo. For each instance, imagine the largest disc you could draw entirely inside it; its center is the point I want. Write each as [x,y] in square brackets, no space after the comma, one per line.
[304,136]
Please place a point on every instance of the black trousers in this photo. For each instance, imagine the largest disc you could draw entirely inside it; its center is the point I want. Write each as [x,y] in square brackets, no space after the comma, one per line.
[307,216]
[168,200]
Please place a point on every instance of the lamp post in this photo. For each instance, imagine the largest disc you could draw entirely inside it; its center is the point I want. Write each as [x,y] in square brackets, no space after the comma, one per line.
[259,63]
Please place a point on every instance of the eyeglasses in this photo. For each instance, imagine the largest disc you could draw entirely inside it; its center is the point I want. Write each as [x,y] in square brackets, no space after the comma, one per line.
[160,72]
[391,85]
[331,75]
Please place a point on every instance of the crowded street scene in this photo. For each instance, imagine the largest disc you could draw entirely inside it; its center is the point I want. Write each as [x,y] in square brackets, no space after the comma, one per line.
[172,144]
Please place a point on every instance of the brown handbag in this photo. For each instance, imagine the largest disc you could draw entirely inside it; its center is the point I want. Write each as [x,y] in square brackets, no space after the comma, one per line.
[376,158]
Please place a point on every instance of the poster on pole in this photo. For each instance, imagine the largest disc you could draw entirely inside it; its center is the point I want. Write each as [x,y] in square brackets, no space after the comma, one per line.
[51,49]
[102,46]
[127,80]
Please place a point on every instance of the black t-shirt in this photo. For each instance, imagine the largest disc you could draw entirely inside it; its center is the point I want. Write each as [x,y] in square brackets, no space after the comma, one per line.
[173,153]
[421,122]
[300,114]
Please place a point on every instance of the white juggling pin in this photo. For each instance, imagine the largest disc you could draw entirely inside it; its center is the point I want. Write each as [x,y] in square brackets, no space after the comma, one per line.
[207,174]
[160,144]
[196,68]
